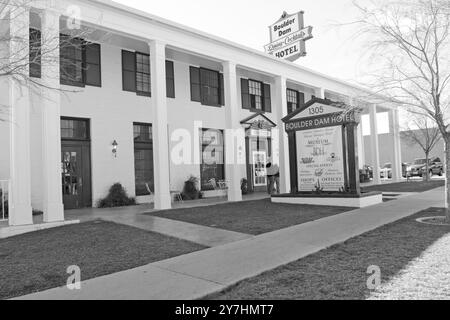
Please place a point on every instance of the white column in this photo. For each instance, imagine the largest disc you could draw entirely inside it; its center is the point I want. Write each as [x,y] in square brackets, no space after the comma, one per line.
[375,149]
[394,132]
[235,136]
[361,147]
[283,142]
[51,117]
[320,93]
[163,200]
[360,137]
[20,163]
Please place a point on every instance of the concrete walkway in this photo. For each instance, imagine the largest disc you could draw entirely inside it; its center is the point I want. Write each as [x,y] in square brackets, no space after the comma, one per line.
[135,217]
[201,273]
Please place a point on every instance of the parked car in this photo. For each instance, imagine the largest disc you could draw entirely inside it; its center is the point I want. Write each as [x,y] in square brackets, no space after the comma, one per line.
[417,169]
[366,173]
[386,171]
[405,167]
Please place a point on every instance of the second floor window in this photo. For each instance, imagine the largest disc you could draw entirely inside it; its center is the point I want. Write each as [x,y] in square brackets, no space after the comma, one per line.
[295,100]
[35,53]
[207,87]
[143,74]
[256,95]
[136,74]
[79,62]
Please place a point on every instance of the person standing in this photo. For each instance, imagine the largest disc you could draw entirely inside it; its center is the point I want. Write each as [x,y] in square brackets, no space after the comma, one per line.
[273,177]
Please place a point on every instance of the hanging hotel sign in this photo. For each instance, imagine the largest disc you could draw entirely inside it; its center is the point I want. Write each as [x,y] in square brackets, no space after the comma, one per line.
[288,36]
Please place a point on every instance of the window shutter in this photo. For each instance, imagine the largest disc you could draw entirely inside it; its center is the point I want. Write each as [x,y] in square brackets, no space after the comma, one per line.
[222,90]
[129,71]
[170,79]
[301,99]
[35,53]
[93,65]
[267,98]
[245,94]
[195,84]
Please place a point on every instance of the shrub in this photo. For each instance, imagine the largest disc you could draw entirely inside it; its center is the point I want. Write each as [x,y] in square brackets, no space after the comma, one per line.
[190,190]
[117,197]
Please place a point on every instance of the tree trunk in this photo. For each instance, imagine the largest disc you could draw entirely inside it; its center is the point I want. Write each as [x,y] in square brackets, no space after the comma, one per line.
[447,177]
[426,177]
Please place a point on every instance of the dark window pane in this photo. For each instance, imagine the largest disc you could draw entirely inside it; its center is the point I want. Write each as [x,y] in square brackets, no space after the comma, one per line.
[267,98]
[143,159]
[74,129]
[93,76]
[35,53]
[128,61]
[212,167]
[71,64]
[142,133]
[255,95]
[143,73]
[93,67]
[210,87]
[170,79]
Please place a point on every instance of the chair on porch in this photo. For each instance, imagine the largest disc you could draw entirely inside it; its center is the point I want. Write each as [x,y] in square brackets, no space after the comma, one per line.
[218,185]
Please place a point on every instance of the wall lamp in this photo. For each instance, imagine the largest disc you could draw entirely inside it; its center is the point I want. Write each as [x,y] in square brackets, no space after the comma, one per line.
[114,148]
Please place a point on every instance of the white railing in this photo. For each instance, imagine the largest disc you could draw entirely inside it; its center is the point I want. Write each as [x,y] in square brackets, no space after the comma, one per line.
[4,199]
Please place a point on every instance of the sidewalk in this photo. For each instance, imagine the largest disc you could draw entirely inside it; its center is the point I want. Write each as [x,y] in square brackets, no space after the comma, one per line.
[198,274]
[135,216]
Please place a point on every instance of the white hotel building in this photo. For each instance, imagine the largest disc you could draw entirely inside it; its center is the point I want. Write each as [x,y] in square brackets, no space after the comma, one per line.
[142,82]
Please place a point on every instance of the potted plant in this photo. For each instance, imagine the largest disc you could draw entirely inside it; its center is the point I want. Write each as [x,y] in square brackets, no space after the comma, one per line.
[190,190]
[244,186]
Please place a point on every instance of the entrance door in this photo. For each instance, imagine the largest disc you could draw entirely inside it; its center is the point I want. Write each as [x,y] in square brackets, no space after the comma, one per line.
[258,154]
[259,169]
[75,177]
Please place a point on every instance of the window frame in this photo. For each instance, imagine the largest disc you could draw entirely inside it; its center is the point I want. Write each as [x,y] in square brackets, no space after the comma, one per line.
[88,129]
[300,97]
[99,64]
[83,44]
[124,52]
[246,96]
[196,73]
[170,79]
[67,82]
[220,145]
[143,73]
[139,145]
[261,96]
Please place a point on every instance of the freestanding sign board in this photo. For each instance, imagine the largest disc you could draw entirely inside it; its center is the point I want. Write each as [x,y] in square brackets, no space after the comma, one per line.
[288,36]
[323,148]
[321,164]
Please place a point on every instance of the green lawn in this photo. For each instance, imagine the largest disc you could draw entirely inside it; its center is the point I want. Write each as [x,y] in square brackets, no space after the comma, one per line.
[412,186]
[251,217]
[38,261]
[339,272]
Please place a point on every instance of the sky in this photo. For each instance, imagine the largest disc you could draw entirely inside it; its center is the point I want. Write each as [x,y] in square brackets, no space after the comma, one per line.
[334,50]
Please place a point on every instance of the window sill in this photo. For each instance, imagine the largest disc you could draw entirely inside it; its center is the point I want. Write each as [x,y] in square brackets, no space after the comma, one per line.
[144,94]
[73,84]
